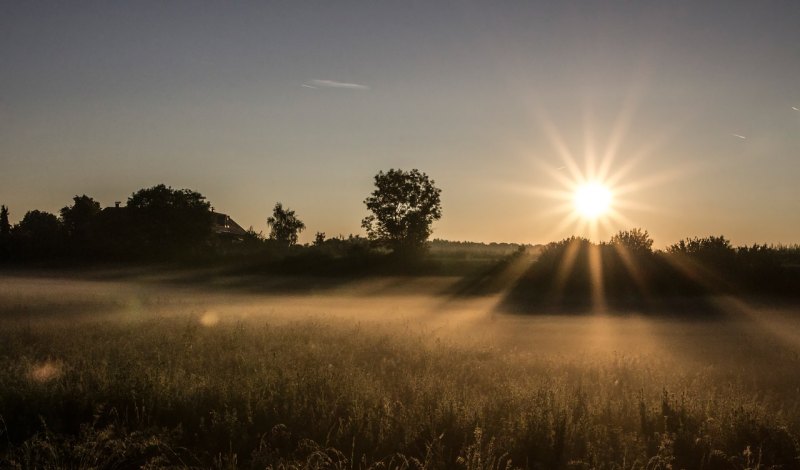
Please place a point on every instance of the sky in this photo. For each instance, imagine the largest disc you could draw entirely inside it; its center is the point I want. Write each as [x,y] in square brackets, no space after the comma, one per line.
[689,111]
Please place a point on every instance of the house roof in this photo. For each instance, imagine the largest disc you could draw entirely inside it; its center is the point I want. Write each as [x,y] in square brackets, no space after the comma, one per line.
[224,224]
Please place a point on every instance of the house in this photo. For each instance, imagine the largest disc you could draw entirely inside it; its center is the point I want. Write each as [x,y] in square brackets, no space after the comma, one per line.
[226,227]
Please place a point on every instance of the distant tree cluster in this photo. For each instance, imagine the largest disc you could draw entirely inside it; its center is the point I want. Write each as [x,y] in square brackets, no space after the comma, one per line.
[161,223]
[627,269]
[156,223]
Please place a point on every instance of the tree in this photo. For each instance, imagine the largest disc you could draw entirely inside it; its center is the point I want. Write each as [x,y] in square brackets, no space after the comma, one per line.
[702,246]
[635,240]
[38,235]
[80,223]
[284,225]
[78,217]
[167,222]
[5,226]
[712,250]
[5,234]
[404,205]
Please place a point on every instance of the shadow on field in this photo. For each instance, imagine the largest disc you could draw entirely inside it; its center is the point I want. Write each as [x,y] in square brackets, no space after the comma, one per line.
[531,287]
[521,288]
[221,279]
[695,308]
[294,275]
[492,280]
[737,346]
[48,308]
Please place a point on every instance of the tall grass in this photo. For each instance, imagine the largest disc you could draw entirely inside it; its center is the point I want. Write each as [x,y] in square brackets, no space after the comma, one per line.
[176,391]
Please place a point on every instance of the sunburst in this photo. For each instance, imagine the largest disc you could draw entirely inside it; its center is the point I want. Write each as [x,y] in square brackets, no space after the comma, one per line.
[592,197]
[592,200]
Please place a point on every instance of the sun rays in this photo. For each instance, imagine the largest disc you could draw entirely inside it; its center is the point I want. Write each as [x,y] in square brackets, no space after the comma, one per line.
[596,190]
[594,180]
[588,198]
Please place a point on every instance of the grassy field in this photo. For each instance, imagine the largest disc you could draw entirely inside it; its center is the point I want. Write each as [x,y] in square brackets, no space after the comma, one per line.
[383,374]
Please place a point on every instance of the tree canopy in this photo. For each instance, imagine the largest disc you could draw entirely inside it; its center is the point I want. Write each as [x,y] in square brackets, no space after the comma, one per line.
[635,240]
[404,205]
[168,221]
[80,224]
[5,234]
[284,225]
[80,214]
[5,226]
[38,235]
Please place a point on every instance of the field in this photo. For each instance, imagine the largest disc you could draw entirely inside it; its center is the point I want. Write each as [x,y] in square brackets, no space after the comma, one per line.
[147,372]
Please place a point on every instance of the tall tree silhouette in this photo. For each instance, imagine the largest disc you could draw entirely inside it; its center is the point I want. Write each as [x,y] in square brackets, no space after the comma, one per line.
[284,225]
[80,224]
[5,234]
[5,226]
[404,205]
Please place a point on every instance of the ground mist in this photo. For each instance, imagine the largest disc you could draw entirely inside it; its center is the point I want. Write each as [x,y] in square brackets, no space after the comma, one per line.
[126,375]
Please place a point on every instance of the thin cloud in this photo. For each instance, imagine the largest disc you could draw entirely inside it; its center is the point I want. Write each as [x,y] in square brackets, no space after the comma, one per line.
[334,84]
[739,136]
[795,108]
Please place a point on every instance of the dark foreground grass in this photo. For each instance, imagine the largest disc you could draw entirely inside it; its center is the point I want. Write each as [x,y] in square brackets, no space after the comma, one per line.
[188,391]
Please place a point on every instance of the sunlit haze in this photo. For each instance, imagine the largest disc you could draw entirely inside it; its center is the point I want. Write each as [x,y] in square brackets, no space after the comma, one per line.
[687,112]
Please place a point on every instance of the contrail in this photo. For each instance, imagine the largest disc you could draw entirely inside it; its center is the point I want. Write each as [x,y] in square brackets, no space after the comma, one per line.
[334,84]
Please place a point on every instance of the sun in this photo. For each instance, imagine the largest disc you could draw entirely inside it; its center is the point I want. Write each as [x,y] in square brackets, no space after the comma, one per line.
[592,200]
[595,184]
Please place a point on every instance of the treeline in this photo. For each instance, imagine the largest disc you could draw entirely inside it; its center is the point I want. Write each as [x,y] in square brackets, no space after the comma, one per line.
[162,224]
[467,249]
[165,224]
[626,270]
[157,223]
